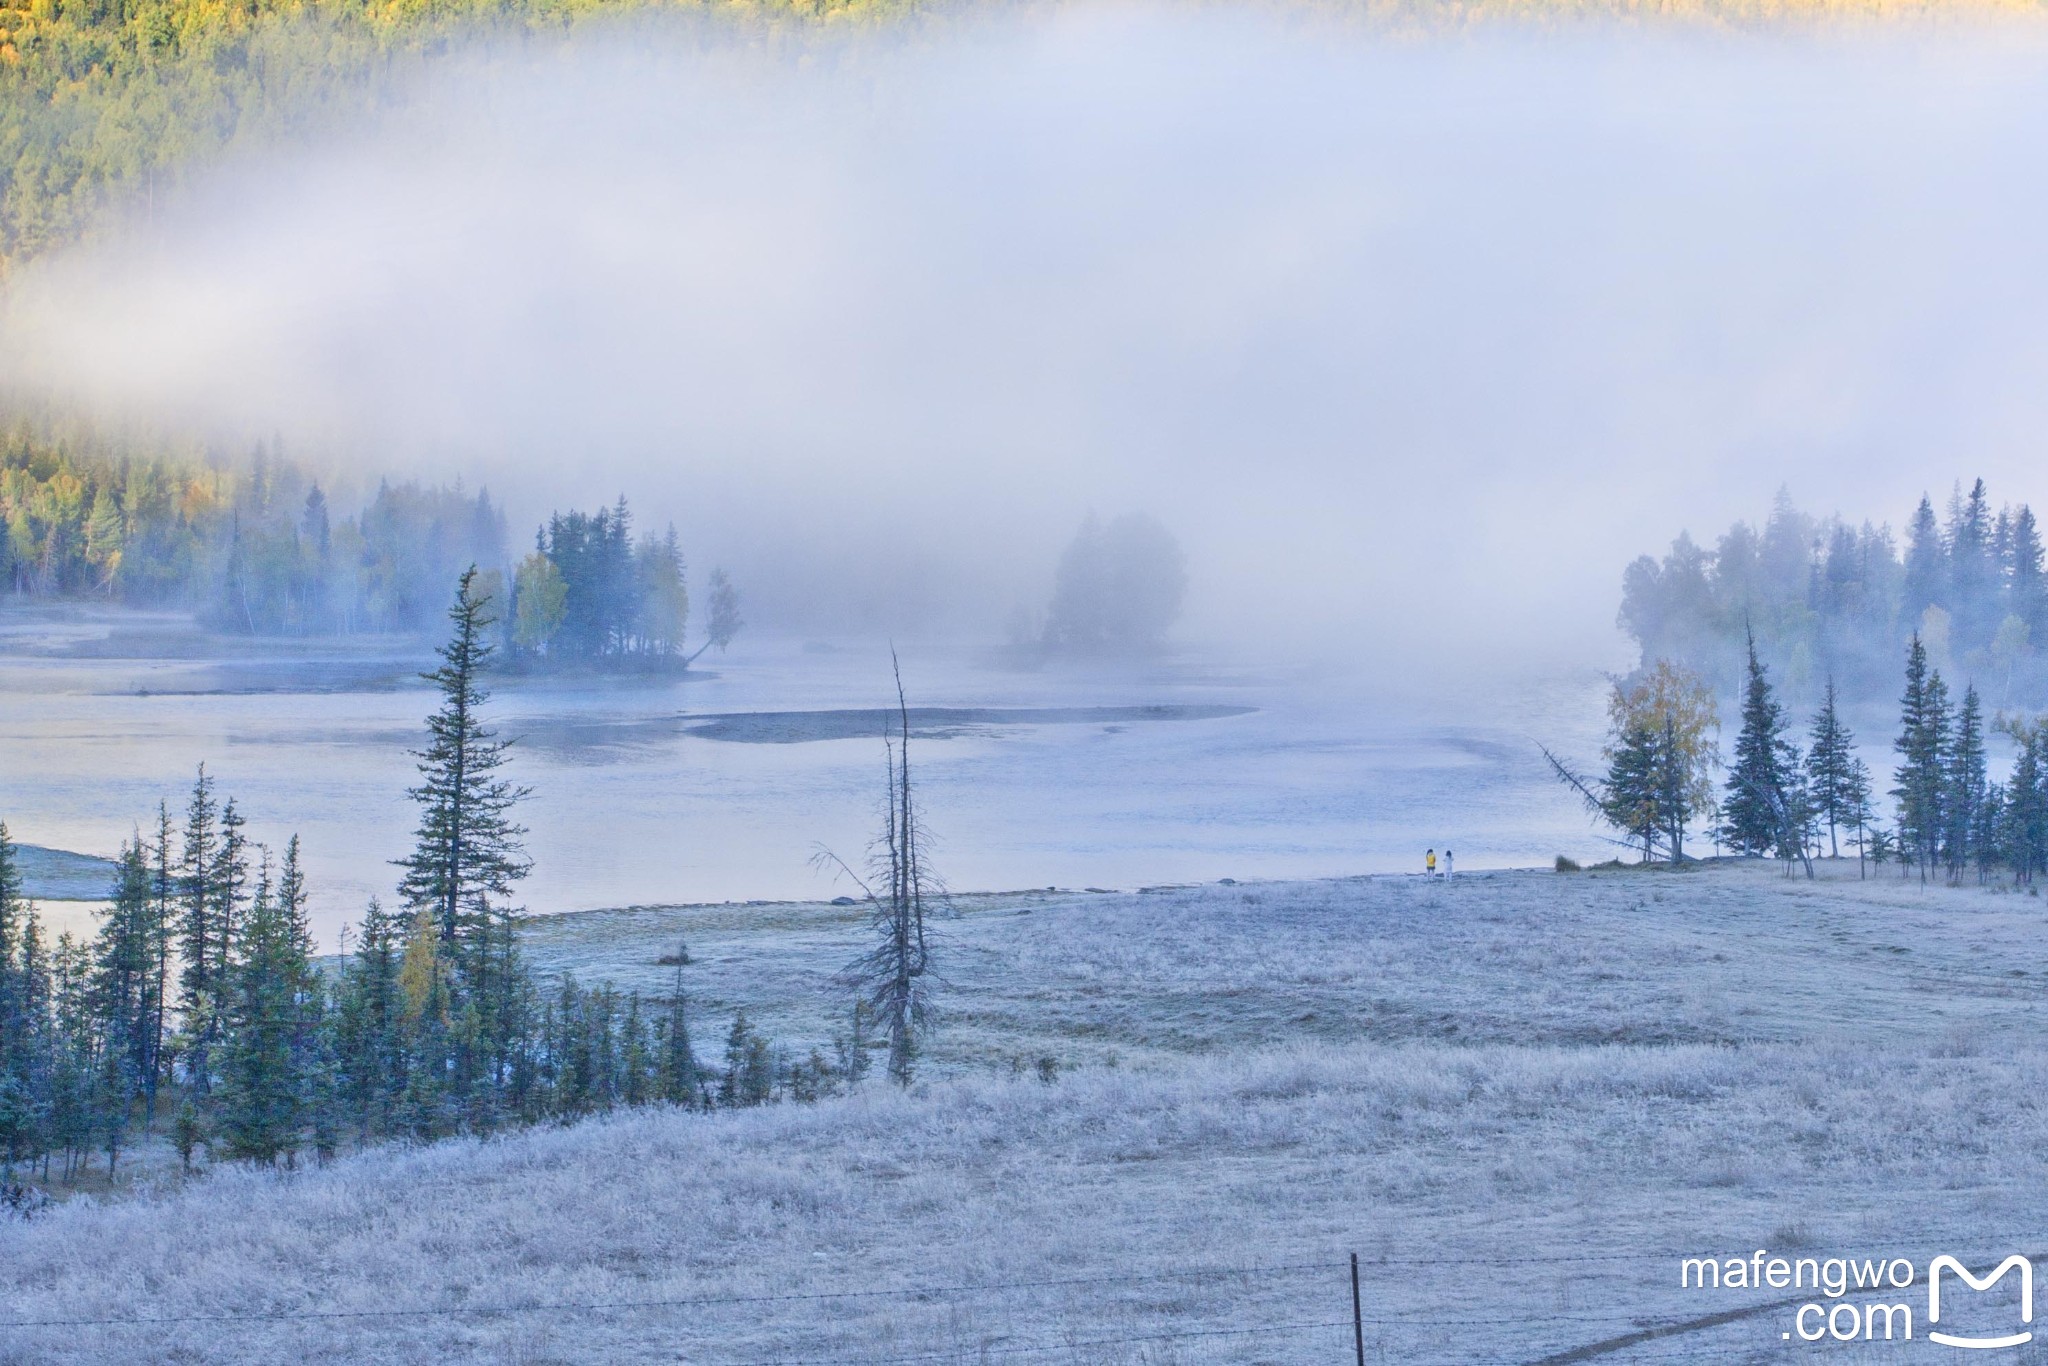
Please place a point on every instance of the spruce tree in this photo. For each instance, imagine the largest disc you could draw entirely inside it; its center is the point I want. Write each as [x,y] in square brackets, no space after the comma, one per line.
[1632,794]
[1858,813]
[679,1077]
[467,854]
[1926,580]
[1922,745]
[19,1101]
[198,929]
[265,1094]
[1757,815]
[369,1024]
[1964,784]
[1831,769]
[2027,598]
[1973,573]
[163,889]
[123,991]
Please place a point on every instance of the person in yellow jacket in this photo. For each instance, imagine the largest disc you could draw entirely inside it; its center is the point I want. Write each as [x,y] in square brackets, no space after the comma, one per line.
[1429,864]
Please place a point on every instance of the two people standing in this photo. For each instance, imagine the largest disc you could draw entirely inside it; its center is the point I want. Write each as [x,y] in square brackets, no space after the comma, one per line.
[1429,868]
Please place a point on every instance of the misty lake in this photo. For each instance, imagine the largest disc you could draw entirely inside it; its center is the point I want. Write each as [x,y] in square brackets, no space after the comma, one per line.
[725,784]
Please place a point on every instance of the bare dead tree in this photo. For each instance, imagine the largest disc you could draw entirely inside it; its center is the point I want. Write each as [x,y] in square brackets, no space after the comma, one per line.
[894,977]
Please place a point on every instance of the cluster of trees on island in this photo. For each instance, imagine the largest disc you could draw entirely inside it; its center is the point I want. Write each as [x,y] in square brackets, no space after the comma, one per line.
[199,1008]
[1118,589]
[1797,802]
[1824,600]
[256,548]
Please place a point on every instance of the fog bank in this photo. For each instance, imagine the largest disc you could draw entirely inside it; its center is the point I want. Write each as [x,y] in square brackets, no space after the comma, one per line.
[1414,344]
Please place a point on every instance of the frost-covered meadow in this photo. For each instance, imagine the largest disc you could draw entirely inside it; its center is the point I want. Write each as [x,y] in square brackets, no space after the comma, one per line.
[1520,1097]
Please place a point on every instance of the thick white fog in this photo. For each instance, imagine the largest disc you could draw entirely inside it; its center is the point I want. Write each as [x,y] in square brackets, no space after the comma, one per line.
[1411,342]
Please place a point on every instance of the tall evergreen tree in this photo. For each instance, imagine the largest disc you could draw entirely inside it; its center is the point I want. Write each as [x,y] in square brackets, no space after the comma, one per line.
[19,1099]
[369,1023]
[124,993]
[1631,795]
[2027,598]
[163,892]
[264,1100]
[1758,815]
[1964,784]
[467,855]
[1831,769]
[1926,579]
[680,1077]
[1923,748]
[2026,801]
[201,930]
[1973,572]
[1860,815]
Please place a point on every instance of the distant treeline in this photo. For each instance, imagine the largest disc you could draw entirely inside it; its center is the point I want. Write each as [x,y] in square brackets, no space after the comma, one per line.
[1828,599]
[255,547]
[252,546]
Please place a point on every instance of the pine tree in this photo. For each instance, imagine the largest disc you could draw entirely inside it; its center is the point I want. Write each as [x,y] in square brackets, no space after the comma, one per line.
[2027,598]
[163,888]
[123,998]
[19,1101]
[1922,745]
[679,1078]
[198,927]
[1972,571]
[1631,795]
[263,1101]
[1858,813]
[213,873]
[1831,769]
[1964,785]
[2026,803]
[467,856]
[1926,583]
[1757,813]
[369,1020]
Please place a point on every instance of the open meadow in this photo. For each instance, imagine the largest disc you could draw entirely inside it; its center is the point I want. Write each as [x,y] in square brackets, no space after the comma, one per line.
[1520,1097]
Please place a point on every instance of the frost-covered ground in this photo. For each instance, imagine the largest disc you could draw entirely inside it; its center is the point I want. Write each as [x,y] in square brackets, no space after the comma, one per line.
[1519,1097]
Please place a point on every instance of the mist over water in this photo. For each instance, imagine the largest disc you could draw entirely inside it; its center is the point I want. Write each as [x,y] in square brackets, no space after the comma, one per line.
[1413,343]
[1190,769]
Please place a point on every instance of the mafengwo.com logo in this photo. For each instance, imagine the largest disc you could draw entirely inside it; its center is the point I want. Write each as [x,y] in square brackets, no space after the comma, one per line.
[1873,1299]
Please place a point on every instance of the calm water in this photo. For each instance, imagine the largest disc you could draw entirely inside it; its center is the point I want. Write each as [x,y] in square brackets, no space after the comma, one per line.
[1244,770]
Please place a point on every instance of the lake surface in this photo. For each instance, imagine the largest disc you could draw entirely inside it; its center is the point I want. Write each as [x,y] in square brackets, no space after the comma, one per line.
[725,785]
